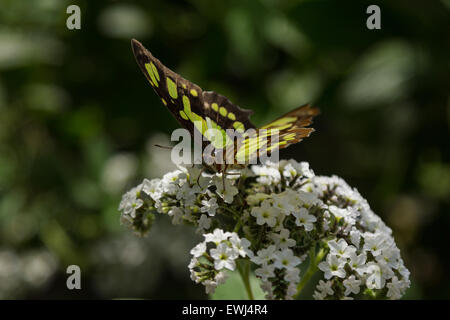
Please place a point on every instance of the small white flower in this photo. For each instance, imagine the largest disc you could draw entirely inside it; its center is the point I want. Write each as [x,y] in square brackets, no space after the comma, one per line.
[282,239]
[173,176]
[221,277]
[255,199]
[224,257]
[357,262]
[176,214]
[325,288]
[170,182]
[217,236]
[197,176]
[403,271]
[198,250]
[395,289]
[227,193]
[319,295]
[286,259]
[188,193]
[307,198]
[390,256]
[340,213]
[355,236]
[195,276]
[266,214]
[289,171]
[241,245]
[386,270]
[265,271]
[282,201]
[375,279]
[374,242]
[264,256]
[210,206]
[152,188]
[266,175]
[333,266]
[303,218]
[341,248]
[194,261]
[204,223]
[130,202]
[292,275]
[266,286]
[210,286]
[291,291]
[293,168]
[351,285]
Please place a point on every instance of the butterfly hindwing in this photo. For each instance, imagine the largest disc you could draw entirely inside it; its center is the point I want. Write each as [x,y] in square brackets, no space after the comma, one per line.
[290,128]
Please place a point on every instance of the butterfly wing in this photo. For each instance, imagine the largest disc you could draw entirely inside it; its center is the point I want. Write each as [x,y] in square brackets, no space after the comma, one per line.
[290,128]
[194,108]
[200,110]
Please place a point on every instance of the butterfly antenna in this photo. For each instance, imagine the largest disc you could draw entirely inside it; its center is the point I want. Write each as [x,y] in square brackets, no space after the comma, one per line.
[163,147]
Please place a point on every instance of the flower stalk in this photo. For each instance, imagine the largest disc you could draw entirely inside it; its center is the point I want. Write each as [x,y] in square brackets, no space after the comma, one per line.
[243,267]
[314,260]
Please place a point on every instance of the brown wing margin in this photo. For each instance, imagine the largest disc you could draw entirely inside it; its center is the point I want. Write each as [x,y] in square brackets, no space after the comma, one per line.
[293,125]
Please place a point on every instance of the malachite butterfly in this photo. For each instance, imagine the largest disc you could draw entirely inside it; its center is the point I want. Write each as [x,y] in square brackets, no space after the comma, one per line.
[200,110]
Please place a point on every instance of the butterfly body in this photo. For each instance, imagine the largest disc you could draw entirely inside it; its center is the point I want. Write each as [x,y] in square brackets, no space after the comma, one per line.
[226,127]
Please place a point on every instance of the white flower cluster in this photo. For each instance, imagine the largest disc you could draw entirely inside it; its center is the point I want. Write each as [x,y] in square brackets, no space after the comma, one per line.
[207,266]
[363,258]
[281,215]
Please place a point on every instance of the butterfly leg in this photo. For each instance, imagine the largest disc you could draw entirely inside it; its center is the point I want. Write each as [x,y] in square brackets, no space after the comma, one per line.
[223,177]
[199,175]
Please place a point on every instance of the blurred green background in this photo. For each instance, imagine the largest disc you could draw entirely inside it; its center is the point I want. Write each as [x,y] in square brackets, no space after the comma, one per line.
[78,122]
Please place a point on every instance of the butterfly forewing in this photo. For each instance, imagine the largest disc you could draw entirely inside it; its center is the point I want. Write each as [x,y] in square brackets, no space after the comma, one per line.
[194,108]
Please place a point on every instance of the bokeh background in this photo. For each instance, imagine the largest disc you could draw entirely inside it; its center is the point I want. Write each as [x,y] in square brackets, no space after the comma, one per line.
[78,122]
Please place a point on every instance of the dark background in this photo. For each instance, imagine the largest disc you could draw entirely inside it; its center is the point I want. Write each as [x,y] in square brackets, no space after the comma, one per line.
[78,122]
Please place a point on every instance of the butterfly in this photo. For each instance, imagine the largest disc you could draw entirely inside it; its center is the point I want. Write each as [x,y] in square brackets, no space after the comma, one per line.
[198,110]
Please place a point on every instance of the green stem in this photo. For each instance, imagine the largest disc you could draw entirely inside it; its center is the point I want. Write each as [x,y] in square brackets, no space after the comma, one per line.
[243,267]
[230,211]
[312,268]
[238,225]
